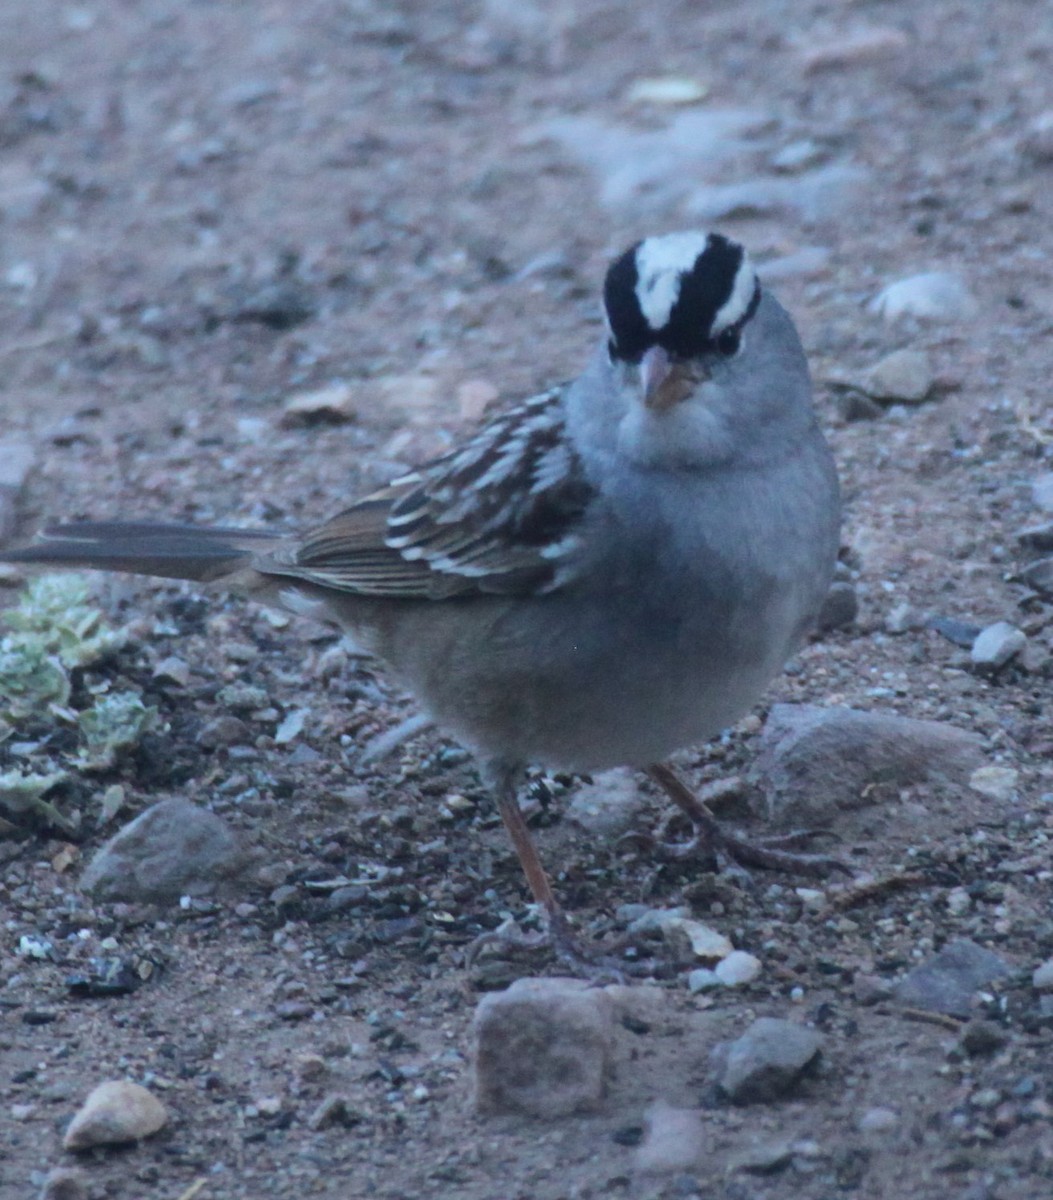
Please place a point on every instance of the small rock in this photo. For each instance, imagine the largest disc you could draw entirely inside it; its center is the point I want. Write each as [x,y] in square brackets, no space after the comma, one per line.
[1039,575]
[767,1061]
[904,618]
[870,989]
[172,849]
[999,783]
[543,1048]
[1037,142]
[667,91]
[959,901]
[902,377]
[840,608]
[931,296]
[798,156]
[16,462]
[814,762]
[674,1140]
[1037,537]
[225,730]
[474,397]
[996,645]
[702,979]
[334,1110]
[852,405]
[65,1183]
[958,633]
[674,924]
[983,1037]
[172,670]
[763,1158]
[609,805]
[737,969]
[849,49]
[1042,491]
[878,1120]
[1042,978]
[242,697]
[948,981]
[115,1112]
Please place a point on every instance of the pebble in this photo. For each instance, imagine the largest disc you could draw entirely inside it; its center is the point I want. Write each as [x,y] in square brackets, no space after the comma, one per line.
[1037,537]
[172,849]
[334,1110]
[172,670]
[1042,978]
[840,608]
[983,1037]
[948,981]
[959,901]
[798,156]
[474,397]
[1042,491]
[608,806]
[998,783]
[902,377]
[996,645]
[904,618]
[673,923]
[767,1061]
[854,47]
[738,968]
[1039,575]
[703,979]
[115,1112]
[668,91]
[931,296]
[242,697]
[224,730]
[542,1048]
[1037,142]
[16,461]
[878,1120]
[674,1140]
[65,1183]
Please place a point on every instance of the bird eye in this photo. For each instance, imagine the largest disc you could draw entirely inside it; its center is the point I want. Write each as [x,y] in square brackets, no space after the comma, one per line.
[728,342]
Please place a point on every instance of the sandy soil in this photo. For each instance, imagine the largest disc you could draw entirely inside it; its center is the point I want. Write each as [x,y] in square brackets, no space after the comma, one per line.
[206,209]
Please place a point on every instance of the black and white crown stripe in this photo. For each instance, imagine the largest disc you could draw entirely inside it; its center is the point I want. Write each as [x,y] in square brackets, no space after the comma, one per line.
[680,291]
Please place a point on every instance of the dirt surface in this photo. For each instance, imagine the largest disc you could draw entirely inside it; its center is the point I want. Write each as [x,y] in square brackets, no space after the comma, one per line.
[207,209]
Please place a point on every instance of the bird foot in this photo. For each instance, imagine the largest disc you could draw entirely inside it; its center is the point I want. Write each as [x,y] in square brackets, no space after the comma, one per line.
[733,854]
[557,940]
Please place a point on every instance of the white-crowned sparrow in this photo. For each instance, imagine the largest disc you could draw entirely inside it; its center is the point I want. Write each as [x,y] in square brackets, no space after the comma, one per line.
[609,572]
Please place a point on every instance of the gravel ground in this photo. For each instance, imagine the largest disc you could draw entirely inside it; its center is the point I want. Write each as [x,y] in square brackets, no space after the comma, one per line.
[207,211]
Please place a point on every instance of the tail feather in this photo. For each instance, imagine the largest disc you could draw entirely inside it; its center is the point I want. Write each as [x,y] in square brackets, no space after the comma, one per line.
[144,548]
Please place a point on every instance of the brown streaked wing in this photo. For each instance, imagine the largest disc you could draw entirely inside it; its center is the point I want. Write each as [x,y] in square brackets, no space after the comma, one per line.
[495,516]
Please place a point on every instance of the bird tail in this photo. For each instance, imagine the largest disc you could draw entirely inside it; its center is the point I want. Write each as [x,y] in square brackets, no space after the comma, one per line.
[143,548]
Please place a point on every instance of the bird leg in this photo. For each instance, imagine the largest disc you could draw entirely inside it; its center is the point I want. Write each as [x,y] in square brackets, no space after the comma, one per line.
[503,779]
[734,854]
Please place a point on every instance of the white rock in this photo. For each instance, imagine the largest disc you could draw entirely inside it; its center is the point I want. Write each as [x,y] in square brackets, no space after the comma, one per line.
[878,1120]
[931,296]
[959,901]
[667,90]
[117,1111]
[674,1140]
[702,979]
[999,783]
[705,942]
[737,969]
[1042,979]
[1042,491]
[996,645]
[904,376]
[609,805]
[335,403]
[813,899]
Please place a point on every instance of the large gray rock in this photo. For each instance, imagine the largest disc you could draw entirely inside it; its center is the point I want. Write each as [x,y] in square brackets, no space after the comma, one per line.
[948,982]
[172,849]
[767,1061]
[542,1048]
[815,762]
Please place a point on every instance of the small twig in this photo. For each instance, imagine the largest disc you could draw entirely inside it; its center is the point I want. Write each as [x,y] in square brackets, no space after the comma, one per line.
[924,1017]
[866,890]
[194,1188]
